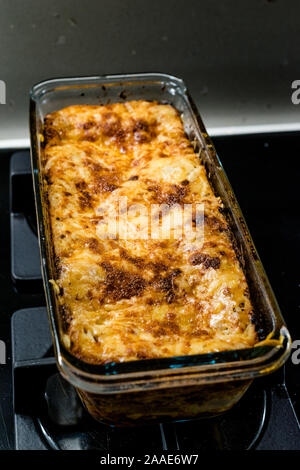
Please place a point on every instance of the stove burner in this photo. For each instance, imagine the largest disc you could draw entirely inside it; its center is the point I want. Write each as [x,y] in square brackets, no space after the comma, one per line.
[49,414]
[65,425]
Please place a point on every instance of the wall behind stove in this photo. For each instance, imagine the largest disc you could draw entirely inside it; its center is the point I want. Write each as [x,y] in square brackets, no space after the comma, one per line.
[238,57]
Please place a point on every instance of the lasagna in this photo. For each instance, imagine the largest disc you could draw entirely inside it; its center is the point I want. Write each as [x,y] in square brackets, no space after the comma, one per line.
[128,289]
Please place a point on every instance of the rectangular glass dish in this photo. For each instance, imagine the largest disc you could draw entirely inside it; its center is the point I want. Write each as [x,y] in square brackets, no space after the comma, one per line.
[155,390]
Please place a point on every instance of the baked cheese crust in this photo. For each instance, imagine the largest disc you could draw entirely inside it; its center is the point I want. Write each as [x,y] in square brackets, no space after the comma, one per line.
[129,299]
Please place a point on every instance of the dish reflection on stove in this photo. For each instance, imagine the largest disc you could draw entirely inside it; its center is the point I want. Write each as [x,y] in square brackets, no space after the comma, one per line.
[64,407]
[66,425]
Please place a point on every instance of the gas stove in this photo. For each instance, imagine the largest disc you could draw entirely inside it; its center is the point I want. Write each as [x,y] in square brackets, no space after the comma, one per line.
[40,410]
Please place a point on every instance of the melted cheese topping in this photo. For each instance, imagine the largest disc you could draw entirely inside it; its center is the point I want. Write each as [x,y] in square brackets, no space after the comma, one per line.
[127,299]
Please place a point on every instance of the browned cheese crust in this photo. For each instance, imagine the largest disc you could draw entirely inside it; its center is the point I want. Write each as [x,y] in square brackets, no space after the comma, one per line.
[128,299]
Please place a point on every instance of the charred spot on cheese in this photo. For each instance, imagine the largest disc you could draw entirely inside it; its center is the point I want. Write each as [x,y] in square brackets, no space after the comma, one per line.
[166,284]
[136,260]
[204,259]
[47,176]
[66,317]
[105,183]
[142,353]
[94,245]
[199,332]
[90,137]
[140,263]
[90,294]
[227,291]
[88,125]
[121,284]
[133,178]
[51,134]
[81,185]
[214,223]
[175,196]
[112,127]
[144,131]
[170,195]
[163,328]
[85,200]
[57,265]
[90,162]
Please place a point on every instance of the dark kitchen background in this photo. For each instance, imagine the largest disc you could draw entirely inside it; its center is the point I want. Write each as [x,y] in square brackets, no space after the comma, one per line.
[239,60]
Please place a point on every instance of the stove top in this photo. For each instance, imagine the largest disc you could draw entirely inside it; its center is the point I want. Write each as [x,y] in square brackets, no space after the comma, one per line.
[45,412]
[48,414]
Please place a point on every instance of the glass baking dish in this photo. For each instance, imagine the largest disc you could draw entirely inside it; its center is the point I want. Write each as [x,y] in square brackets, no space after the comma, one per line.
[156,390]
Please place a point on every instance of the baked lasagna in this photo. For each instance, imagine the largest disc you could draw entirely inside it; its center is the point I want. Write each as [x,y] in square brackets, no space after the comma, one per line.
[131,290]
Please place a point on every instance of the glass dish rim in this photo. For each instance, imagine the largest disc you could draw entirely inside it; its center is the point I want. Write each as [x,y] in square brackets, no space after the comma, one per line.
[69,364]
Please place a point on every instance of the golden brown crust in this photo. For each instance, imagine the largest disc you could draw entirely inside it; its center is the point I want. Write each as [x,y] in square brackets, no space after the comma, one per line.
[145,298]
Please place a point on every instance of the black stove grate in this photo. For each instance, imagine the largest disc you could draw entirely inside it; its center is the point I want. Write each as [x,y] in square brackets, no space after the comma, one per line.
[25,259]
